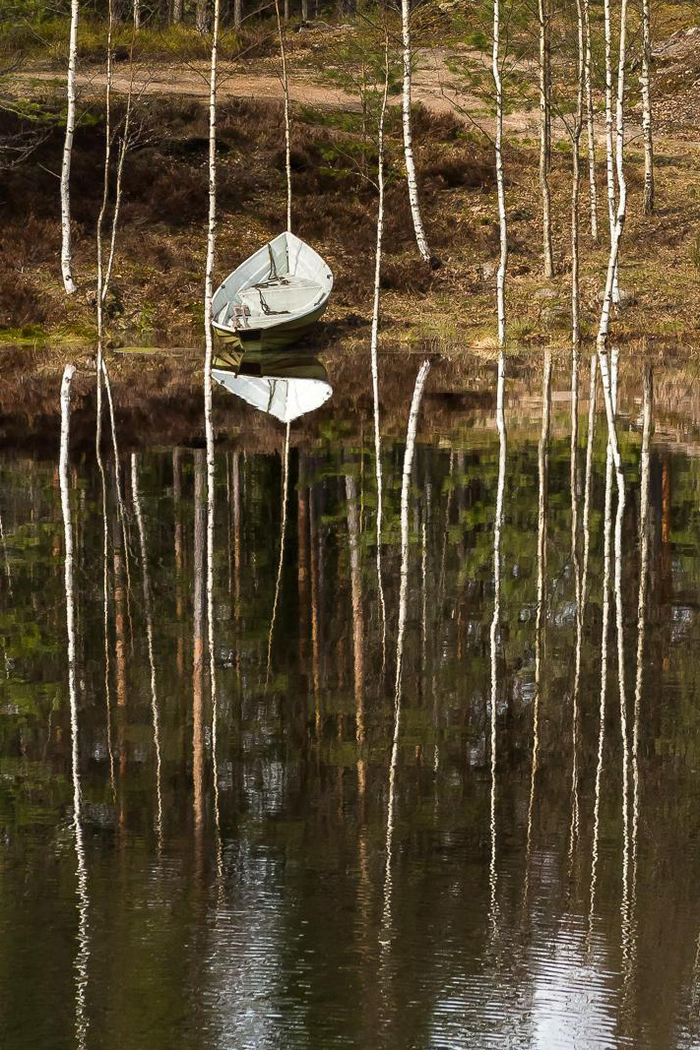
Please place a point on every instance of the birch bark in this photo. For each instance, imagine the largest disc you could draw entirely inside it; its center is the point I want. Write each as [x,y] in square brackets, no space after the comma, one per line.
[66,246]
[647,126]
[500,183]
[287,128]
[592,188]
[545,149]
[414,202]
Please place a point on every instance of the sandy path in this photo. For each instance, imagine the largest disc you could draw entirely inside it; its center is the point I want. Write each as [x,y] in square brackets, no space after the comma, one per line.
[432,87]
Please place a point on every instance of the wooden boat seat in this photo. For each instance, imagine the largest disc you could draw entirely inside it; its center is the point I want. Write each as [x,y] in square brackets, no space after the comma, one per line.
[287,295]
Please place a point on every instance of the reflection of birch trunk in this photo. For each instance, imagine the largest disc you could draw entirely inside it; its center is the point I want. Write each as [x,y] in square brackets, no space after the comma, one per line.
[374,341]
[605,630]
[280,563]
[648,409]
[580,576]
[500,181]
[647,413]
[81,962]
[544,16]
[647,126]
[198,646]
[66,247]
[588,81]
[314,545]
[495,625]
[177,511]
[414,202]
[540,615]
[358,620]
[287,121]
[236,470]
[148,608]
[403,604]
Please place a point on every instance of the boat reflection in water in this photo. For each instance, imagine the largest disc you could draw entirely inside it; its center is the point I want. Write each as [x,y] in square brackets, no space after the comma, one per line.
[285,385]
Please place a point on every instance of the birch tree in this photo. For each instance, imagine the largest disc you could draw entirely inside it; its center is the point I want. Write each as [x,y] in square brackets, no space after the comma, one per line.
[575,184]
[66,246]
[590,125]
[544,18]
[647,127]
[609,135]
[287,122]
[414,202]
[500,182]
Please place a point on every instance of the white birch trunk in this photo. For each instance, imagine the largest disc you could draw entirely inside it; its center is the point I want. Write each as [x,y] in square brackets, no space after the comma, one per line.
[588,76]
[137,14]
[618,226]
[575,184]
[500,183]
[414,202]
[237,14]
[287,124]
[609,147]
[66,247]
[544,56]
[177,12]
[647,126]
[374,345]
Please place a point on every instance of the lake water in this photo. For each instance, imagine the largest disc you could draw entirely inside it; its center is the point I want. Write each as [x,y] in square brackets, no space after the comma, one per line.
[310,861]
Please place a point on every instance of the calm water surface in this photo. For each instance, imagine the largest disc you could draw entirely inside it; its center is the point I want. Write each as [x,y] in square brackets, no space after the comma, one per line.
[264,868]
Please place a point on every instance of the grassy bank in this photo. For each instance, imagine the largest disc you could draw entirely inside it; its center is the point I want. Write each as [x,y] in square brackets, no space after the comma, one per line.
[156,296]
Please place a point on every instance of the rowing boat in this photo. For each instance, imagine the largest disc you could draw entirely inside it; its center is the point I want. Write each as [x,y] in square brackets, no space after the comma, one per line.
[284,385]
[273,298]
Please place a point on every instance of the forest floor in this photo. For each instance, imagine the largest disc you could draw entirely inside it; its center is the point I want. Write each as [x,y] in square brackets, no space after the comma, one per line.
[156,298]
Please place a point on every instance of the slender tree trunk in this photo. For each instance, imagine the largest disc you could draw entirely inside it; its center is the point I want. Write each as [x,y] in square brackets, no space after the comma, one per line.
[66,247]
[575,185]
[237,14]
[592,188]
[645,83]
[123,148]
[500,182]
[617,225]
[374,343]
[177,12]
[609,136]
[544,16]
[137,14]
[287,123]
[421,240]
[305,10]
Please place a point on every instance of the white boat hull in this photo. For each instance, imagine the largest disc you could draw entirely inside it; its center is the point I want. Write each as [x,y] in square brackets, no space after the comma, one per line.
[274,297]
